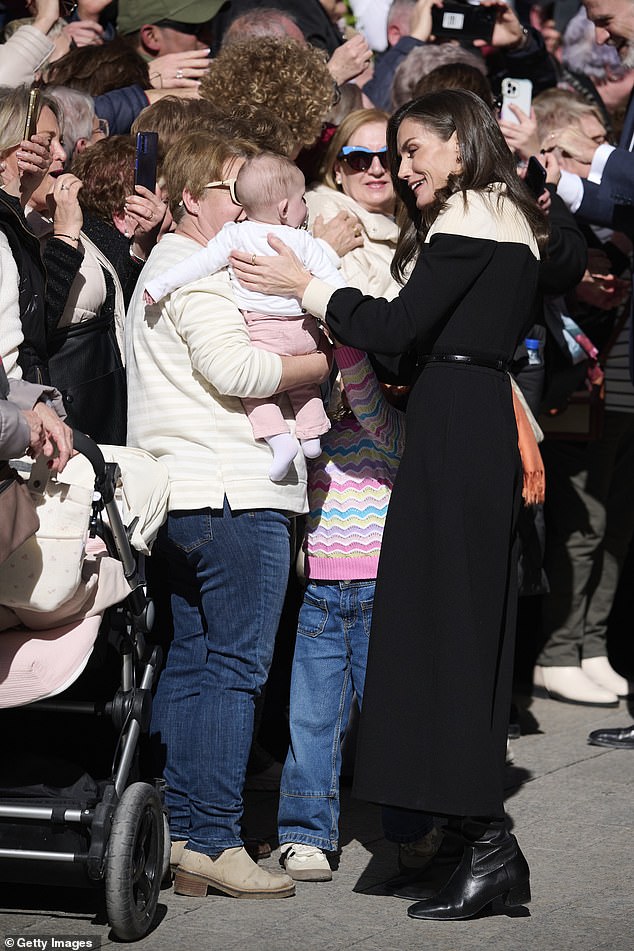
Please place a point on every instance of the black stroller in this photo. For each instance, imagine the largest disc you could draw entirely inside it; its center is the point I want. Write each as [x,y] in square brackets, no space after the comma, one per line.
[62,822]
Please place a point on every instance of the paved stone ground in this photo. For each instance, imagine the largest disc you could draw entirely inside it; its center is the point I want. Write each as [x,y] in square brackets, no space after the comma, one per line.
[570,803]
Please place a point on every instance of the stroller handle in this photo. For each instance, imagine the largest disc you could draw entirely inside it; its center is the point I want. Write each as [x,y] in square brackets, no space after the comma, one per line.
[89,448]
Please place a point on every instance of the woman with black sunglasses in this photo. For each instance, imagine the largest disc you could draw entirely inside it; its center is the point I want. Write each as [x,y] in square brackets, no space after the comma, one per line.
[437,694]
[356,180]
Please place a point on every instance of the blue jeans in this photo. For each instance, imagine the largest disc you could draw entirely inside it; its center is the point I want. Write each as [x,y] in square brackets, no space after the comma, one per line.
[331,653]
[227,574]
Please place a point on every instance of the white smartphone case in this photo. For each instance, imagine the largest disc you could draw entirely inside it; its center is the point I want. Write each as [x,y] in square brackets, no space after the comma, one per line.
[520,93]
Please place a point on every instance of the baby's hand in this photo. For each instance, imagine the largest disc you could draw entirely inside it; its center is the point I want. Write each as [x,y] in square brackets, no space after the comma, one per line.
[148,299]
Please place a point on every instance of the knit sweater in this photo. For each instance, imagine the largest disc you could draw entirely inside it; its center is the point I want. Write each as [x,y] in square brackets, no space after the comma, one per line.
[189,362]
[350,484]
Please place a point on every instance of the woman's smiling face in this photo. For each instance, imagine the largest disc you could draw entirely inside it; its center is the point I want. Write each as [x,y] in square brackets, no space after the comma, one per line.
[426,161]
[372,189]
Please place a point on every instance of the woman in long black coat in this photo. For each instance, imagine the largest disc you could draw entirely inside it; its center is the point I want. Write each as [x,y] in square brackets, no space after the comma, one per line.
[437,695]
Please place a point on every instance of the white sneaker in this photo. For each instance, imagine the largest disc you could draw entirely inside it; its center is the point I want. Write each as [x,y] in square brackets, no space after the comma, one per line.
[601,672]
[572,685]
[306,863]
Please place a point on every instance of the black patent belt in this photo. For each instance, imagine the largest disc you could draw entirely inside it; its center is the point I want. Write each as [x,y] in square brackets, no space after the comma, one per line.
[464,359]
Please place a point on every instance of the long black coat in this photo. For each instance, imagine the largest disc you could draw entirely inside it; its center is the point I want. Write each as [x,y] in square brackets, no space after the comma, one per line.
[437,692]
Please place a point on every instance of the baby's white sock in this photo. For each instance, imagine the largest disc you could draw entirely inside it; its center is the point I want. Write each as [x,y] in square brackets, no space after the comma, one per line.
[311,447]
[285,447]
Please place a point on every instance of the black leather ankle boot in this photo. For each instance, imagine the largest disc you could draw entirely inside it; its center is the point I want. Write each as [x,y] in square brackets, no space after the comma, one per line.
[492,867]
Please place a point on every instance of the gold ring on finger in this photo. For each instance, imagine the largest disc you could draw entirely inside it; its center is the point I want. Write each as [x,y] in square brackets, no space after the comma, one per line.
[253,260]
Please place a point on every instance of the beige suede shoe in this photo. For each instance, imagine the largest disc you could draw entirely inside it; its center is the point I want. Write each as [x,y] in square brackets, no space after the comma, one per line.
[233,872]
[176,853]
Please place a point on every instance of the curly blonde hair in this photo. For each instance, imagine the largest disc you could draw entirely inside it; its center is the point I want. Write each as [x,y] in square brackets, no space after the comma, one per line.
[280,74]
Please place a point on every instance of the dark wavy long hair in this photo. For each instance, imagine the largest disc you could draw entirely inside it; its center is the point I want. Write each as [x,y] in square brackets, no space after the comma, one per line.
[485,159]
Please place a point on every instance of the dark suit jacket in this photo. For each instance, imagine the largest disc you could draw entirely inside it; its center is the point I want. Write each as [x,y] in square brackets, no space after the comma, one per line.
[612,202]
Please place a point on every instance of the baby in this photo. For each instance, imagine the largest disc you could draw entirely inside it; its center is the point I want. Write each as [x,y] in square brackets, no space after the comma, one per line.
[270,188]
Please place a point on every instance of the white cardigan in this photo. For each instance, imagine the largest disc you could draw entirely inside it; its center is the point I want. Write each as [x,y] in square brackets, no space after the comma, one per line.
[11,335]
[189,361]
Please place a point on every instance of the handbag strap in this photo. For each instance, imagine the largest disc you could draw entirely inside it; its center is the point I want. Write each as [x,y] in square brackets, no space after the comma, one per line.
[7,475]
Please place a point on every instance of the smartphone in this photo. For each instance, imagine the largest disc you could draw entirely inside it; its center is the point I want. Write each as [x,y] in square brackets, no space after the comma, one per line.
[32,112]
[145,160]
[535,178]
[463,21]
[519,92]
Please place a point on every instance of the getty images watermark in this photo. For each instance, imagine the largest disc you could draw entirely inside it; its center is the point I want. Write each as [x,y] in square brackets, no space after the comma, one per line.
[48,942]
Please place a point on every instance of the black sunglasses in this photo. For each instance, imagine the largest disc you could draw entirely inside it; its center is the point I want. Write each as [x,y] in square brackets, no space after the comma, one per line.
[360,159]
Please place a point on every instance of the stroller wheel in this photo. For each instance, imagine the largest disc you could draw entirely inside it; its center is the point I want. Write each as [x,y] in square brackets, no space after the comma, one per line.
[134,862]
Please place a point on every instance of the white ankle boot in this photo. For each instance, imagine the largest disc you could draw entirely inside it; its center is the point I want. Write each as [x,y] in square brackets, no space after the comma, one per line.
[572,685]
[601,672]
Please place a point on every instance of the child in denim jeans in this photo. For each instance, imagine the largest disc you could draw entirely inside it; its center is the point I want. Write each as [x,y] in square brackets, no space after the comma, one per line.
[349,488]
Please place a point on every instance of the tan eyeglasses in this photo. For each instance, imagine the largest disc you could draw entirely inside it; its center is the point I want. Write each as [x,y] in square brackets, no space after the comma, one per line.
[229,183]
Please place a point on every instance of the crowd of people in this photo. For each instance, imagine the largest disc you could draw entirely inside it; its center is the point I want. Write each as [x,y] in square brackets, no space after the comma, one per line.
[343,320]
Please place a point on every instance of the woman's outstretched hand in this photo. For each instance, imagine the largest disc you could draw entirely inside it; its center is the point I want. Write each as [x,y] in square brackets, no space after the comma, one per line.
[282,273]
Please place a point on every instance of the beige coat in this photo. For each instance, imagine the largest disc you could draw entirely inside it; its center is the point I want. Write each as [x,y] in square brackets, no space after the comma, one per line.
[368,267]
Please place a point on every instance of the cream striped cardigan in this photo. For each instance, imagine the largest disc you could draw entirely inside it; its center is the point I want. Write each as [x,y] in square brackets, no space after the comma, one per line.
[189,360]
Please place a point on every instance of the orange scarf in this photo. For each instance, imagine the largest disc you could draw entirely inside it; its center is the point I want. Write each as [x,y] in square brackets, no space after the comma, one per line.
[534,484]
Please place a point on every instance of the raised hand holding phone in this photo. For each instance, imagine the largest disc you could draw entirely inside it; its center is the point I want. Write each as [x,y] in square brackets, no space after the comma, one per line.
[516,92]
[535,177]
[32,112]
[459,20]
[33,156]
[146,160]
[521,134]
[508,32]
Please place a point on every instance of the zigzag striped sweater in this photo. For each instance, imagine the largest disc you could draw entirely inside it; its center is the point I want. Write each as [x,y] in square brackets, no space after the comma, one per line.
[350,484]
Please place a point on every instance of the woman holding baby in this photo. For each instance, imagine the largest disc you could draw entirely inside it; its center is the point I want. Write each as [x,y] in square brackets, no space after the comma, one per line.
[226,540]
